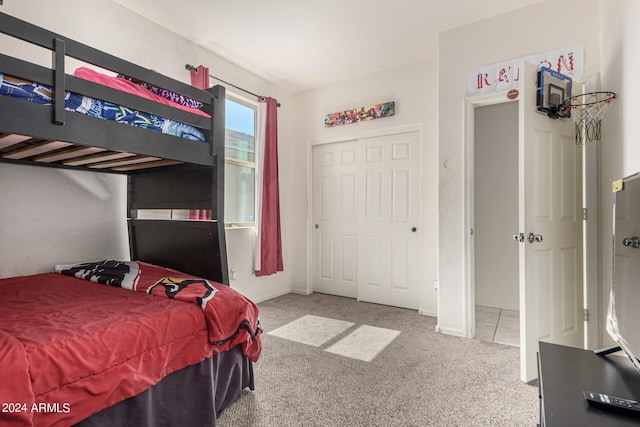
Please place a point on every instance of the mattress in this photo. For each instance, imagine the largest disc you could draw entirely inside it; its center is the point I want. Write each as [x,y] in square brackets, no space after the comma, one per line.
[42,94]
[70,348]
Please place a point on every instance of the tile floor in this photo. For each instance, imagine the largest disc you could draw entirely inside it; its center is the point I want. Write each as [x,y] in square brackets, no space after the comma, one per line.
[498,325]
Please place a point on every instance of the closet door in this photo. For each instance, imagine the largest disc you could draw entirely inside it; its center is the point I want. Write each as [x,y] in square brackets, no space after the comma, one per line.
[389,229]
[334,213]
[365,213]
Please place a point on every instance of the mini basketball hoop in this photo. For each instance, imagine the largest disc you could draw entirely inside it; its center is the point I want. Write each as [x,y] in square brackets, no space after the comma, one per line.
[587,111]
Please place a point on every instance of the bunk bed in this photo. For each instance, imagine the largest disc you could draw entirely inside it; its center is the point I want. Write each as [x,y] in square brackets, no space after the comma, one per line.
[193,376]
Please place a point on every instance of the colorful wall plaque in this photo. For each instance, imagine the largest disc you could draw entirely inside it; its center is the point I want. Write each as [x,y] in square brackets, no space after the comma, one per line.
[362,114]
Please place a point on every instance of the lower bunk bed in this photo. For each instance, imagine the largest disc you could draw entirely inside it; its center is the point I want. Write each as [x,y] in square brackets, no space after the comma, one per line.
[122,343]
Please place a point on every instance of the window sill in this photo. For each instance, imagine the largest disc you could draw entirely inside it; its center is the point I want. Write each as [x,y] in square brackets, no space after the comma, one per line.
[239,226]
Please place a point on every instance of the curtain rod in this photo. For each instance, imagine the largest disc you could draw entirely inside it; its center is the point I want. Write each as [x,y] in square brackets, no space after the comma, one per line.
[192,68]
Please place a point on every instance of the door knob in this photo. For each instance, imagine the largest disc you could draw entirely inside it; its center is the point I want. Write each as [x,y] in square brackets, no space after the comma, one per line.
[414,229]
[633,242]
[518,237]
[316,226]
[534,238]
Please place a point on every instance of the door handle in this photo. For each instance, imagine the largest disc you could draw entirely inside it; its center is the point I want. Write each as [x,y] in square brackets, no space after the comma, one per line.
[518,237]
[534,238]
[633,242]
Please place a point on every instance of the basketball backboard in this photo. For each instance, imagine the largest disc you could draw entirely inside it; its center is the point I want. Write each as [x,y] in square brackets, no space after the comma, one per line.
[553,89]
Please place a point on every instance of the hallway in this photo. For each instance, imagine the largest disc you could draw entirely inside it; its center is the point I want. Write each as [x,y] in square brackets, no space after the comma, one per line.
[498,325]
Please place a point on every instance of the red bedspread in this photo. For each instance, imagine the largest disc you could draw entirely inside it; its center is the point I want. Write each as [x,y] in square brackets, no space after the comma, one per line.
[70,348]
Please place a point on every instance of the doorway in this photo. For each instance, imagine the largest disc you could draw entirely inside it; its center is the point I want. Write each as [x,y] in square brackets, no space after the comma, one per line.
[550,225]
[495,221]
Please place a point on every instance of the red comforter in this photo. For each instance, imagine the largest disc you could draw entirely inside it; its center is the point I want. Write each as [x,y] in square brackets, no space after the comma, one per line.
[70,348]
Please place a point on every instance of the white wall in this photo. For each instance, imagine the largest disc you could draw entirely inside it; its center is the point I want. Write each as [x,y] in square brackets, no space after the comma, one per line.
[413,88]
[38,243]
[619,148]
[543,27]
[39,221]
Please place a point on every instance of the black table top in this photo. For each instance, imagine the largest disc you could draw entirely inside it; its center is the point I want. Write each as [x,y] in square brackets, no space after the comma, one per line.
[566,371]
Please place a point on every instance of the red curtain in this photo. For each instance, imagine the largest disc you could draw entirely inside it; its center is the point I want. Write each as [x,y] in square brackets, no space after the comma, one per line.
[200,79]
[268,258]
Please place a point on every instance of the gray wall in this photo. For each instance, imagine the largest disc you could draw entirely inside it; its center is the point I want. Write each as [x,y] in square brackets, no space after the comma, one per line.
[495,149]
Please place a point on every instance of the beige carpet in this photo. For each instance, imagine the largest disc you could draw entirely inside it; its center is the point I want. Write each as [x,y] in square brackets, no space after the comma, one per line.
[311,330]
[363,343]
[420,378]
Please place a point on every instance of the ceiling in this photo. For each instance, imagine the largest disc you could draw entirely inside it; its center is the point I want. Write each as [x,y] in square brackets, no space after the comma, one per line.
[304,44]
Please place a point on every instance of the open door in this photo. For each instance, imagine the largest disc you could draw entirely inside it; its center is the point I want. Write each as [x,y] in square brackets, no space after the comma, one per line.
[550,226]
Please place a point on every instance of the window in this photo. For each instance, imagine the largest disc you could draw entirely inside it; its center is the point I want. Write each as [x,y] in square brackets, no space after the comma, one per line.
[240,162]
[240,169]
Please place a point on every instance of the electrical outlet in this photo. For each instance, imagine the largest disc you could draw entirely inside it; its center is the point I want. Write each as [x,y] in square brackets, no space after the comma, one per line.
[232,274]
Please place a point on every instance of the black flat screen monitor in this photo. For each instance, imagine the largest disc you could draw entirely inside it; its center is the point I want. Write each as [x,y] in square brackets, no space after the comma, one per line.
[623,317]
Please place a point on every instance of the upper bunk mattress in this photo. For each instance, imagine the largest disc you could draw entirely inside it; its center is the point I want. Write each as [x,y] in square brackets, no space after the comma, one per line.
[42,94]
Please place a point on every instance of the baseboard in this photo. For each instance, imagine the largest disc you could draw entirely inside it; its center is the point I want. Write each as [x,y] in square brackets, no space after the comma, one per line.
[427,312]
[300,292]
[267,298]
[279,294]
[447,331]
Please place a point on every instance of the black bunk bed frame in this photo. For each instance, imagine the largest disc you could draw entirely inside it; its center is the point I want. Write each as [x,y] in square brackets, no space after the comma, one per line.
[172,173]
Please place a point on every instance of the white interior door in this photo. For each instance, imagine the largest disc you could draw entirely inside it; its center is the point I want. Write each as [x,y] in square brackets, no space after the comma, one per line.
[389,229]
[334,213]
[365,213]
[551,293]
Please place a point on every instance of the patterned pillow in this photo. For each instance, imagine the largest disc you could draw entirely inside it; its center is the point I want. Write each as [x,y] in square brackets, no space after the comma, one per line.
[167,94]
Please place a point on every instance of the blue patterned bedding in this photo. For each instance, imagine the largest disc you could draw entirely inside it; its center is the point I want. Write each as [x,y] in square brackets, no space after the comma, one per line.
[42,94]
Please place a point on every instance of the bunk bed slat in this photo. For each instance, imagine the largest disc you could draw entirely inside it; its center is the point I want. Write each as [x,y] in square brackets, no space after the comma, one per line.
[68,154]
[127,161]
[96,158]
[140,166]
[35,149]
[12,139]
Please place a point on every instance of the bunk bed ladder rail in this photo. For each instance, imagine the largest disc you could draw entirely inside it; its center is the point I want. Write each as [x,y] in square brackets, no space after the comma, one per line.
[59,78]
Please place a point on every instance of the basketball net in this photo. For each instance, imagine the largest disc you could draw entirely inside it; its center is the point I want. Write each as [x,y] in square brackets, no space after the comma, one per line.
[587,111]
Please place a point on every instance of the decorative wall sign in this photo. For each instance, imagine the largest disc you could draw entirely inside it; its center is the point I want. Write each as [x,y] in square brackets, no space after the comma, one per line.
[506,75]
[362,114]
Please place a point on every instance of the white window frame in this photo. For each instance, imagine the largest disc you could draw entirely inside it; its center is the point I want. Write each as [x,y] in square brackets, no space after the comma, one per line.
[231,161]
